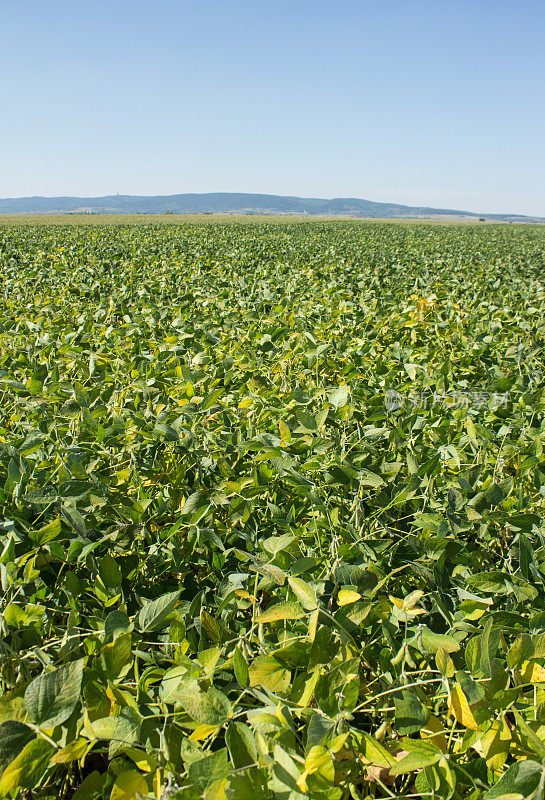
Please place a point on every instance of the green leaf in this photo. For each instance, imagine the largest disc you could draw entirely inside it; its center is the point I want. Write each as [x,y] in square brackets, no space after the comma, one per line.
[75,490]
[29,616]
[13,738]
[74,519]
[488,641]
[241,745]
[421,754]
[14,475]
[126,731]
[526,557]
[367,478]
[410,714]
[248,785]
[110,572]
[209,769]
[194,502]
[210,707]
[355,575]
[48,533]
[373,752]
[306,420]
[91,787]
[116,655]
[32,443]
[285,775]
[35,383]
[211,399]
[339,397]
[494,494]
[52,696]
[437,780]
[533,741]
[429,642]
[153,614]
[116,623]
[41,497]
[520,780]
[241,668]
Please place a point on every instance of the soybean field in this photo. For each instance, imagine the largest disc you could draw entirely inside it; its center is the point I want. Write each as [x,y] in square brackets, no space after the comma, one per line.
[272,505]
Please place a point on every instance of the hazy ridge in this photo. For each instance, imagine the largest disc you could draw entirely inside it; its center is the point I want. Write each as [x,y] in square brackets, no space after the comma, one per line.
[238,203]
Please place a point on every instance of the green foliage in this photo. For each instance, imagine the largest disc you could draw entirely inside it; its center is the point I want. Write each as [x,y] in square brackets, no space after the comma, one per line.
[237,559]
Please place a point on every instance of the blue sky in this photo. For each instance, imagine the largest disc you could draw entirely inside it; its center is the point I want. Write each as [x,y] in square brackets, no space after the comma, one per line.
[439,103]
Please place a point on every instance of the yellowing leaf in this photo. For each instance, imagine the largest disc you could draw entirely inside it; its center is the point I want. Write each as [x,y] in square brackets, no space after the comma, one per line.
[127,785]
[216,790]
[444,662]
[144,761]
[209,658]
[318,760]
[72,752]
[27,768]
[407,606]
[308,691]
[336,744]
[459,706]
[471,432]
[434,731]
[285,432]
[158,784]
[102,728]
[532,672]
[268,672]
[347,596]
[313,624]
[412,599]
[245,595]
[281,611]
[12,706]
[372,752]
[410,369]
[494,745]
[48,533]
[304,592]
[202,731]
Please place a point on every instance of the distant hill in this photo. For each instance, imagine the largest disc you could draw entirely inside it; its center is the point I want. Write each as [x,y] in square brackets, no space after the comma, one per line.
[233,203]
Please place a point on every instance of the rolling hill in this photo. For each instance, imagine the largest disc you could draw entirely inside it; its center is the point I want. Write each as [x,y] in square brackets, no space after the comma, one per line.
[238,203]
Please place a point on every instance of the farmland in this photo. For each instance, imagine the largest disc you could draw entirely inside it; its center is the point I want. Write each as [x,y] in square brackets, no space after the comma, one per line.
[272,510]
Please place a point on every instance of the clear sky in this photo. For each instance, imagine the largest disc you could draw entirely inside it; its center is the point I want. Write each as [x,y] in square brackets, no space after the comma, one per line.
[425,102]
